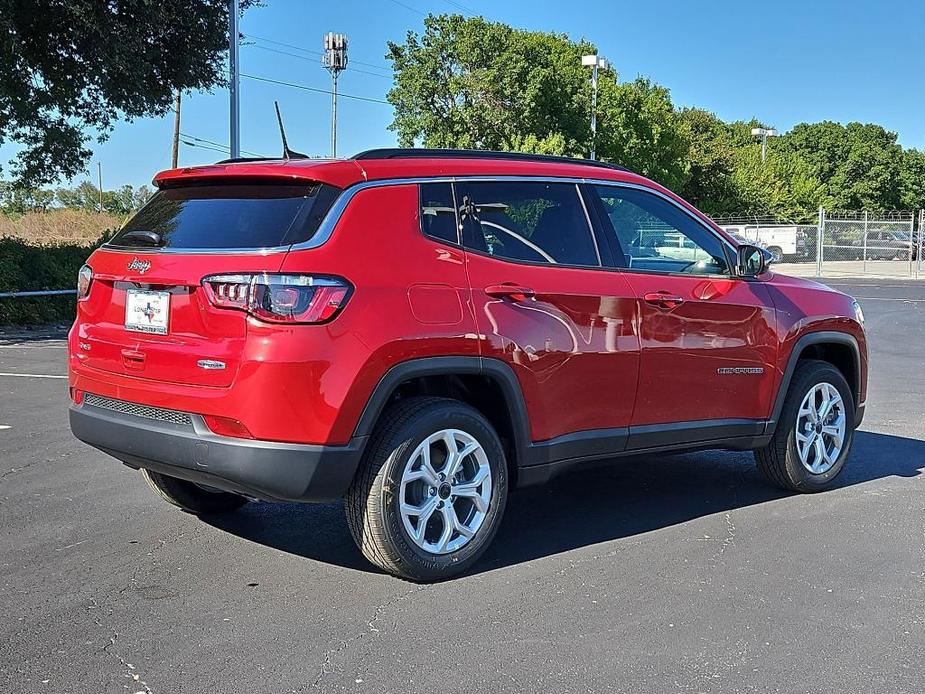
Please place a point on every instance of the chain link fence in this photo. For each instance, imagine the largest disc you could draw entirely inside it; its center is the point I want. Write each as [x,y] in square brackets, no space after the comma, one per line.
[838,244]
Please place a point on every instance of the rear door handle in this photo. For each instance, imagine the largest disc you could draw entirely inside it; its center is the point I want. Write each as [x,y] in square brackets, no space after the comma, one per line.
[663,299]
[508,290]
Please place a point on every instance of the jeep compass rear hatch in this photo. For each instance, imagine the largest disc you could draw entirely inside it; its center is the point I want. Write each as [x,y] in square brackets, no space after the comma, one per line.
[150,314]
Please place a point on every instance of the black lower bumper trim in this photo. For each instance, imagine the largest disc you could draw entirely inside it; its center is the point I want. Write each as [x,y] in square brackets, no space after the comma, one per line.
[262,469]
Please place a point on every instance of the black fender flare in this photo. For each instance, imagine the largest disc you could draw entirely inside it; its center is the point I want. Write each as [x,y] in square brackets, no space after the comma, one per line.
[807,340]
[495,369]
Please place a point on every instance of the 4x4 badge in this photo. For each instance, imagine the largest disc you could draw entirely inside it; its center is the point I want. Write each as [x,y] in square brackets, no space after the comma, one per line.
[141,266]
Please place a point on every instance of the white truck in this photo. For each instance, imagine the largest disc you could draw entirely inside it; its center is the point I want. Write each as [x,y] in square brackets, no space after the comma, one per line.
[785,242]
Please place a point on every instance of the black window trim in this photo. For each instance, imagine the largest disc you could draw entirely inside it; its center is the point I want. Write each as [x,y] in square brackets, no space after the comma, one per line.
[437,239]
[617,250]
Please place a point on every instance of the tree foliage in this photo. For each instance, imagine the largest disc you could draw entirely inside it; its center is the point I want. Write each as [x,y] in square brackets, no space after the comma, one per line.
[16,201]
[75,67]
[470,83]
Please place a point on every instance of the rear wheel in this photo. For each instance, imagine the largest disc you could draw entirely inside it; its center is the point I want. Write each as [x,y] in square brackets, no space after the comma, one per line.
[431,490]
[192,497]
[814,434]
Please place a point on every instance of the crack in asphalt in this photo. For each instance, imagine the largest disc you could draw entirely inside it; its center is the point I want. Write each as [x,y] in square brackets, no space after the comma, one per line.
[327,665]
[108,648]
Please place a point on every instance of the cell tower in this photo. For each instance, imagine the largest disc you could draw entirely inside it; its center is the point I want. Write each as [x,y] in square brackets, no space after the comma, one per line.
[335,60]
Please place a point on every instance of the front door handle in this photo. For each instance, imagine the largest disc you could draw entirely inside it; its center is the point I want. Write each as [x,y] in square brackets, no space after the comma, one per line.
[509,290]
[664,300]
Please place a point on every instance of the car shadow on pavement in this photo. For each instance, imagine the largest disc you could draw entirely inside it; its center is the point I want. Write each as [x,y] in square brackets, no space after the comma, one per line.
[617,499]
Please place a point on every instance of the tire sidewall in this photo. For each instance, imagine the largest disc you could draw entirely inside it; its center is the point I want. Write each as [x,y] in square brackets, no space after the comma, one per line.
[452,416]
[795,469]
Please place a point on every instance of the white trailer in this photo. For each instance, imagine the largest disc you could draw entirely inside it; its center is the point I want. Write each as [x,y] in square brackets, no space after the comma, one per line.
[784,241]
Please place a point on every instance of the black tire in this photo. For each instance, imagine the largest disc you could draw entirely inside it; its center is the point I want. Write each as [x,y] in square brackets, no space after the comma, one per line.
[191,497]
[372,500]
[779,460]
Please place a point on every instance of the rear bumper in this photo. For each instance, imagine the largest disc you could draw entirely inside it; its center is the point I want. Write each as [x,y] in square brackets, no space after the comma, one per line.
[262,469]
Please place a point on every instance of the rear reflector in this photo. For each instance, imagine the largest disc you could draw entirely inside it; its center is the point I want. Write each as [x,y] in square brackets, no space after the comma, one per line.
[279,298]
[226,426]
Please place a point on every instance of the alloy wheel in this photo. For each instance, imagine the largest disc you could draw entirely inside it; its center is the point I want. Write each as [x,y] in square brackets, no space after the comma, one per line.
[445,491]
[821,428]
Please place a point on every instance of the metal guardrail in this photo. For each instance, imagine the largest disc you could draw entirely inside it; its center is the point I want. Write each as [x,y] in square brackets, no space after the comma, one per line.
[44,292]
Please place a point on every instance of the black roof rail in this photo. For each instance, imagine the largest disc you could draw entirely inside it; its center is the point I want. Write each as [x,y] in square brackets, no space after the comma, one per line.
[436,153]
[240,160]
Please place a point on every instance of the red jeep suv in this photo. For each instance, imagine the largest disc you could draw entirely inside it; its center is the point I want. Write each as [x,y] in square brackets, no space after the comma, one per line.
[422,331]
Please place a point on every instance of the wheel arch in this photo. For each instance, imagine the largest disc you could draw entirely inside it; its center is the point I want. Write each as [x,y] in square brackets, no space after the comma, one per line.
[488,385]
[838,349]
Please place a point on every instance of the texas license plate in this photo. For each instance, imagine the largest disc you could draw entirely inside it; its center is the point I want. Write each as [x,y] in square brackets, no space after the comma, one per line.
[146,311]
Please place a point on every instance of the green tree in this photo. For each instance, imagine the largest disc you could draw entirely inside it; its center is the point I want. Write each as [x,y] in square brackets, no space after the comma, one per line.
[858,164]
[711,162]
[474,84]
[639,128]
[912,180]
[74,68]
[471,83]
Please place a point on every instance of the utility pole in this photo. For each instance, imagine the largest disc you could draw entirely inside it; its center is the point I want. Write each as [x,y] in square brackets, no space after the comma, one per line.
[764,134]
[335,60]
[234,79]
[99,172]
[176,131]
[595,62]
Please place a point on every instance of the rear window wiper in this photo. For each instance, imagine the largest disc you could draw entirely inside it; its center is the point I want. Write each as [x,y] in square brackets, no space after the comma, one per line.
[141,237]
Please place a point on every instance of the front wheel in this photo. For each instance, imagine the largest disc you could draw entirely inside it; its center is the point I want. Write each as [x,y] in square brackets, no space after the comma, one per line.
[431,490]
[814,434]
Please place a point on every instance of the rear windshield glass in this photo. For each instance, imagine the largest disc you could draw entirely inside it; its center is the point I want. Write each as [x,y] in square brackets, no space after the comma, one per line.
[228,216]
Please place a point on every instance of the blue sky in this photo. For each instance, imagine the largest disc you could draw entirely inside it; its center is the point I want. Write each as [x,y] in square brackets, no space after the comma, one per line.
[783,62]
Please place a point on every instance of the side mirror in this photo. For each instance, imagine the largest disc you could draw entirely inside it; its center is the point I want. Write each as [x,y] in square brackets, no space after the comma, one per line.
[752,260]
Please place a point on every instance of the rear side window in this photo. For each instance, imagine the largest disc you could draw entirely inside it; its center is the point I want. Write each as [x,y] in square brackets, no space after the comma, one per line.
[438,212]
[228,216]
[534,222]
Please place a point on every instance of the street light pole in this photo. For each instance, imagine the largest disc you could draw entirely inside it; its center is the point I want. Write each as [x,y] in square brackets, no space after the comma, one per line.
[334,59]
[764,134]
[234,79]
[595,62]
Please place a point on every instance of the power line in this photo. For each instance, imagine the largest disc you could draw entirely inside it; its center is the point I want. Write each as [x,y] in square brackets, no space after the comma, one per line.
[305,57]
[311,52]
[459,6]
[203,142]
[315,89]
[408,7]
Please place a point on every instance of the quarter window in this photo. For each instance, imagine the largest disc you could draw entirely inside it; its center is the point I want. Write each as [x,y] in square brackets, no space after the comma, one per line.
[653,234]
[438,212]
[526,221]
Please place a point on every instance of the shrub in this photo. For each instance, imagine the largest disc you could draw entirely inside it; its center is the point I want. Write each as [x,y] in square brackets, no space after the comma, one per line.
[24,267]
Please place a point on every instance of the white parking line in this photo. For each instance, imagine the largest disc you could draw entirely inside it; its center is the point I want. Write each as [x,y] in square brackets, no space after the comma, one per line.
[4,373]
[4,426]
[886,298]
[61,346]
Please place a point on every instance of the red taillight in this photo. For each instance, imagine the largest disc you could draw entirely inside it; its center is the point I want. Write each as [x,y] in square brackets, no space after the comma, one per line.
[84,279]
[77,396]
[226,426]
[279,298]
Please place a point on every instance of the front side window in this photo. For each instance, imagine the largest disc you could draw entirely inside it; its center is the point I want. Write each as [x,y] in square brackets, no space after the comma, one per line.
[653,234]
[526,221]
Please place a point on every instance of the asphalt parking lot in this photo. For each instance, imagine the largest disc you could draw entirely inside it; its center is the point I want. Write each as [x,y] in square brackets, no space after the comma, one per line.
[672,574]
